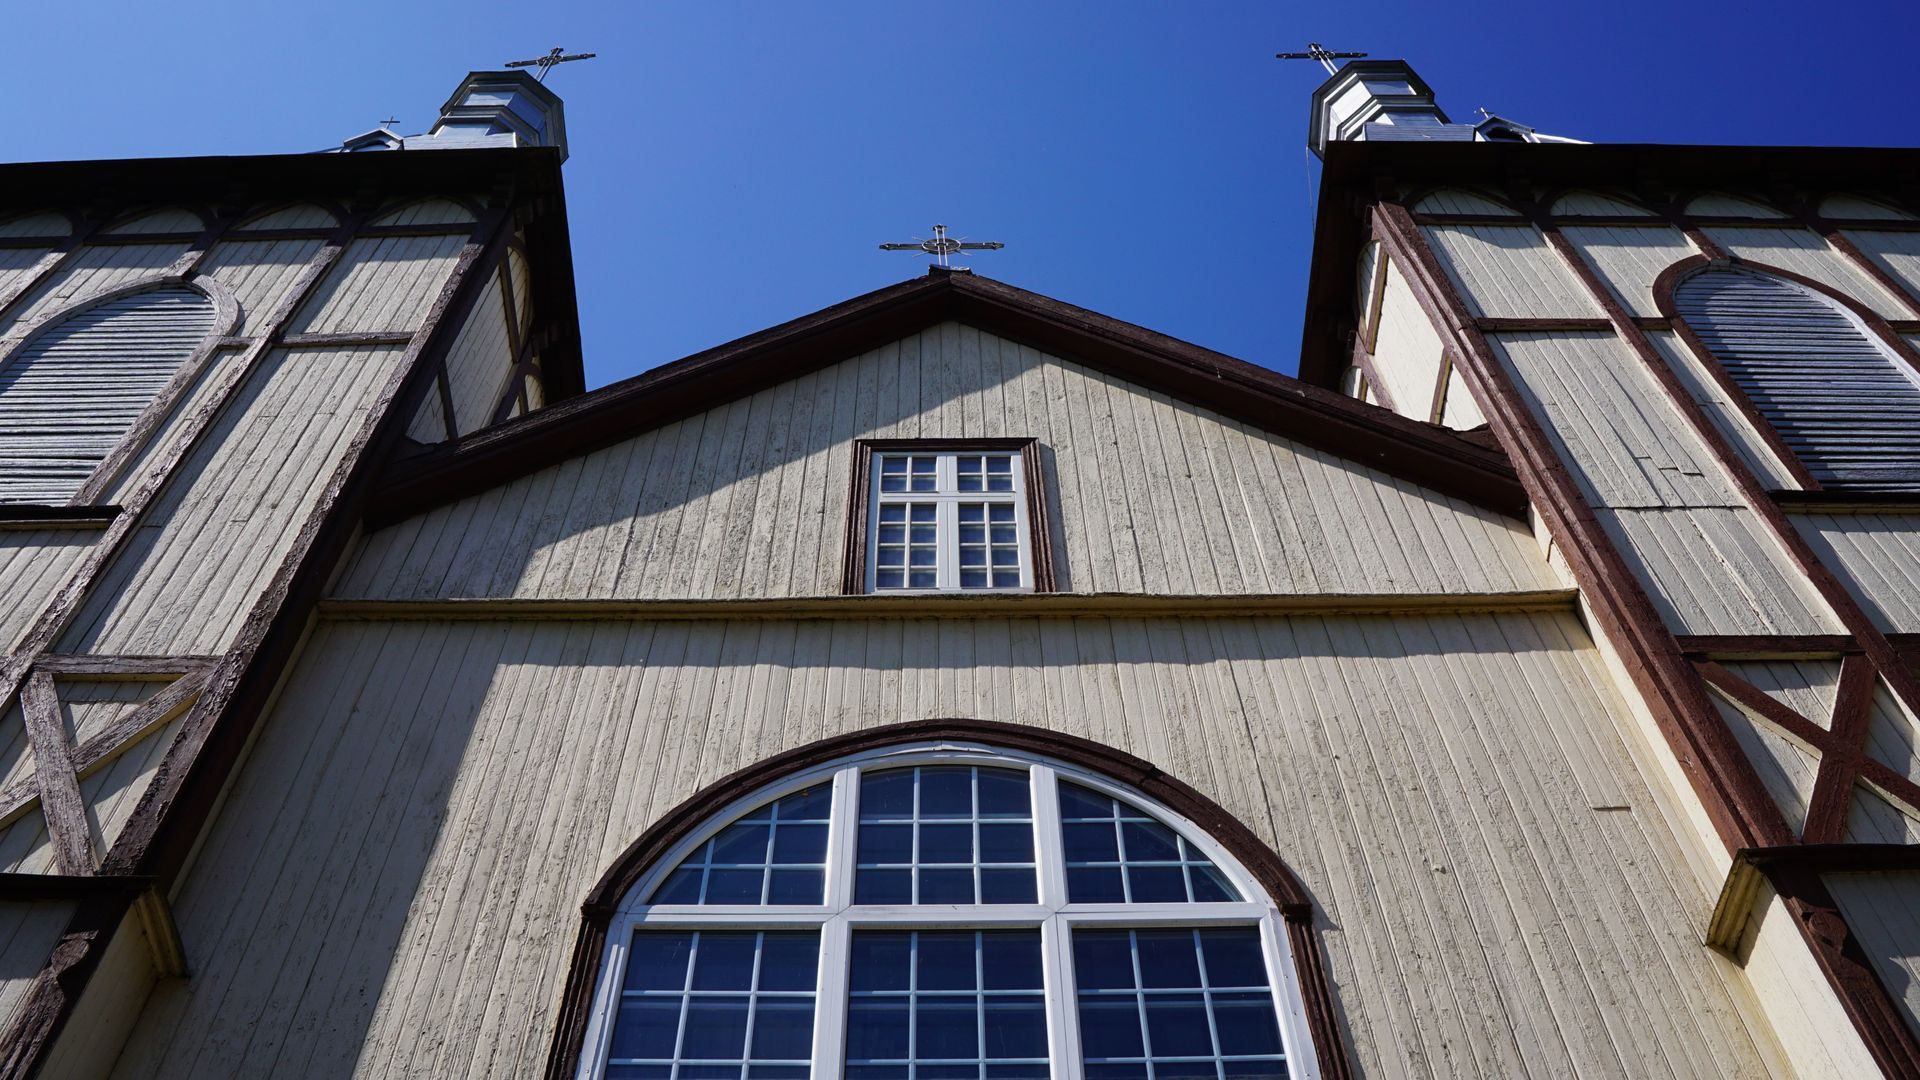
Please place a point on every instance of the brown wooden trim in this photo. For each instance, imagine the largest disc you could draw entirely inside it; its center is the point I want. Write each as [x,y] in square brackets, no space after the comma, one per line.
[1262,862]
[1765,646]
[42,272]
[56,777]
[1834,782]
[335,341]
[111,741]
[66,516]
[443,389]
[1832,231]
[1376,387]
[853,562]
[1404,447]
[1839,499]
[1836,858]
[1495,326]
[1437,411]
[43,1012]
[1733,797]
[121,665]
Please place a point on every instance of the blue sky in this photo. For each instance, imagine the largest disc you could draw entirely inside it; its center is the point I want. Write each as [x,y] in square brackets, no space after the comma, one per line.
[734,165]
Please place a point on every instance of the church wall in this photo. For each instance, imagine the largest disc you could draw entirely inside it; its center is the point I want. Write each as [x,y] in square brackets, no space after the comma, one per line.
[1406,350]
[34,563]
[224,522]
[1877,553]
[27,933]
[481,360]
[1880,908]
[380,284]
[89,271]
[393,888]
[260,273]
[750,499]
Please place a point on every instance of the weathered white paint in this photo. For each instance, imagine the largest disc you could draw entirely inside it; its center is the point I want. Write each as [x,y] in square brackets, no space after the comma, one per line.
[1806,1013]
[1715,204]
[1879,908]
[1460,411]
[107,1007]
[1510,272]
[89,272]
[750,499]
[1716,570]
[34,563]
[394,885]
[112,788]
[219,530]
[1804,252]
[1898,253]
[1853,206]
[380,284]
[260,273]
[480,361]
[1893,733]
[1873,818]
[166,220]
[435,211]
[1732,421]
[221,369]
[429,423]
[1786,767]
[296,216]
[18,264]
[41,223]
[1406,350]
[1462,201]
[1629,258]
[1593,202]
[1808,687]
[1877,555]
[28,932]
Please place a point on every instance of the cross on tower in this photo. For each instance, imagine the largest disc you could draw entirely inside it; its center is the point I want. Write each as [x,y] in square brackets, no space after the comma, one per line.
[943,247]
[545,63]
[1317,51]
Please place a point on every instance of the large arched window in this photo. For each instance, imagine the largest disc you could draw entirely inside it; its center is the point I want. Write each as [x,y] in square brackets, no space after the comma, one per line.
[1841,401]
[70,393]
[946,911]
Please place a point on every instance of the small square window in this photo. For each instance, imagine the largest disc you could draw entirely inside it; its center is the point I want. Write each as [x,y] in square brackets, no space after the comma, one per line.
[937,519]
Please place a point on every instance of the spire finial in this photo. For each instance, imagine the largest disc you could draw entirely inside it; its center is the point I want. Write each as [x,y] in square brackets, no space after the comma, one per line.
[1317,51]
[943,247]
[545,63]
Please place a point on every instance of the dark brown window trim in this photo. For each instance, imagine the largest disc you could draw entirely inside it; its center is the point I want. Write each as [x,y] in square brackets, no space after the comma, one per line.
[853,567]
[61,516]
[1837,497]
[1261,861]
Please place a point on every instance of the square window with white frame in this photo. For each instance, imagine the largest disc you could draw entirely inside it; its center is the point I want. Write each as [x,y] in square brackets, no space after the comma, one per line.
[949,520]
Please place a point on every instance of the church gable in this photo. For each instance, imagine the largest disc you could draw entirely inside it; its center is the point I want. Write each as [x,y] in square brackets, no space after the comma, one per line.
[1143,493]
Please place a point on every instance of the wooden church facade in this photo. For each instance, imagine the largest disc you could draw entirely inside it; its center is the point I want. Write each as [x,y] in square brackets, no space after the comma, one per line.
[375,689]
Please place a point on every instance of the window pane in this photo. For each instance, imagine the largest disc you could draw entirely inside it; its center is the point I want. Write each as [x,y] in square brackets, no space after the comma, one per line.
[955,1004]
[1118,853]
[989,546]
[1183,1003]
[945,834]
[906,548]
[699,1026]
[773,855]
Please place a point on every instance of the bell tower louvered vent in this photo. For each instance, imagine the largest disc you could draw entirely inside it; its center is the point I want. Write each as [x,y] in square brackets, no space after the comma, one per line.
[1848,408]
[70,394]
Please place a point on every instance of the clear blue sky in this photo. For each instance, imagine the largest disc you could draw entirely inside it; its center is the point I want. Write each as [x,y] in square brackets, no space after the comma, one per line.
[734,165]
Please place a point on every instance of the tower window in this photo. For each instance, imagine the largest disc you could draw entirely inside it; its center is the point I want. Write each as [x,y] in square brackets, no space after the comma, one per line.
[940,516]
[1840,400]
[949,913]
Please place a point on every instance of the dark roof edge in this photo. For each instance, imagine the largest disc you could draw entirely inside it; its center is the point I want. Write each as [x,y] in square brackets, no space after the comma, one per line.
[1423,453]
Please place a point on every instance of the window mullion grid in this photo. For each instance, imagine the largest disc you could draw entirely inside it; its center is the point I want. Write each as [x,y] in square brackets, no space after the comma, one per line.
[830,987]
[686,1005]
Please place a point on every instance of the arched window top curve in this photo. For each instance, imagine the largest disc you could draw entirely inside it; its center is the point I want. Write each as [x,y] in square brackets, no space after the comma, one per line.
[944,910]
[1839,399]
[116,355]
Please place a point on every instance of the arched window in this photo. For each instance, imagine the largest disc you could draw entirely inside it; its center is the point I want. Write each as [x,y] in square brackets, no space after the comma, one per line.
[940,911]
[1846,406]
[69,394]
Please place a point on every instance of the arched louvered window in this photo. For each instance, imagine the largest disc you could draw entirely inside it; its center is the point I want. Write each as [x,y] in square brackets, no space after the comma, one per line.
[939,912]
[1847,407]
[69,394]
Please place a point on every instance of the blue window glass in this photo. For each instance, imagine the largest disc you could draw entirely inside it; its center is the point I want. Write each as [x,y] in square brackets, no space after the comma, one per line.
[1176,1004]
[1116,853]
[945,834]
[716,1005]
[946,1005]
[774,855]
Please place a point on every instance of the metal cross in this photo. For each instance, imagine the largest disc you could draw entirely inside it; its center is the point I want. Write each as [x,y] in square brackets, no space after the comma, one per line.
[545,63]
[389,121]
[1317,51]
[943,247]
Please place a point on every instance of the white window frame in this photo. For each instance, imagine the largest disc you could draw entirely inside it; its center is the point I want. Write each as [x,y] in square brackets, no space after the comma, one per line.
[947,498]
[838,917]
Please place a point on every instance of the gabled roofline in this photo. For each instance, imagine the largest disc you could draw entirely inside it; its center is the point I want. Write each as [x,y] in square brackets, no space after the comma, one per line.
[1423,453]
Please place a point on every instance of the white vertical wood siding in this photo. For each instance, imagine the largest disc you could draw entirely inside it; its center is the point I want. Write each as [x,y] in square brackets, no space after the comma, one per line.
[107,1008]
[380,284]
[69,395]
[1898,253]
[1461,412]
[1719,407]
[1893,733]
[1510,272]
[480,361]
[166,220]
[297,216]
[1714,204]
[1461,201]
[435,211]
[42,223]
[1406,349]
[259,272]
[28,932]
[1786,768]
[220,529]
[393,888]
[1848,409]
[429,424]
[17,264]
[1716,570]
[1629,258]
[1878,556]
[1853,206]
[750,499]
[1880,909]
[1592,202]
[1804,252]
[215,377]
[34,563]
[88,272]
